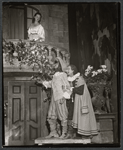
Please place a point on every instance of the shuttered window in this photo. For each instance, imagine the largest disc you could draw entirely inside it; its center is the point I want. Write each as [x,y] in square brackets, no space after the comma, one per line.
[20,18]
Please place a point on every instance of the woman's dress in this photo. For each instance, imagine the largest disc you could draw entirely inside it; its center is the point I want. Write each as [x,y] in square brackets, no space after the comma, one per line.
[36,32]
[83,116]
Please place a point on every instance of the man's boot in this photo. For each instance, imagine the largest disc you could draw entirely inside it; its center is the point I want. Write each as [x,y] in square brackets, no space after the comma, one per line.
[58,129]
[53,129]
[64,129]
[71,134]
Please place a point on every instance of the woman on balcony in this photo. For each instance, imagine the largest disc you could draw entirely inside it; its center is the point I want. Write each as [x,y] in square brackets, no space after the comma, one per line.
[36,31]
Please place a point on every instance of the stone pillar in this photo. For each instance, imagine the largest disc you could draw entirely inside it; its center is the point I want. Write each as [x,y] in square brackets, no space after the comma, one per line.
[57,50]
[50,57]
[49,47]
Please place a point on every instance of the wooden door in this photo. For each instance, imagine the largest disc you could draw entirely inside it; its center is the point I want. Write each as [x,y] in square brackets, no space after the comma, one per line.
[24,112]
[16,113]
[33,112]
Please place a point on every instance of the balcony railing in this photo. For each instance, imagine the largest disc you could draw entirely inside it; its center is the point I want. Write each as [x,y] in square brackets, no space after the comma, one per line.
[15,67]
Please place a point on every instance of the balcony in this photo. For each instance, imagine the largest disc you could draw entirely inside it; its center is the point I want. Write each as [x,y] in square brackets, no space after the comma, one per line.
[15,67]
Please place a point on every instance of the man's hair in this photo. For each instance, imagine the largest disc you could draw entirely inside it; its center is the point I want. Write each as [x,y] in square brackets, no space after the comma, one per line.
[74,68]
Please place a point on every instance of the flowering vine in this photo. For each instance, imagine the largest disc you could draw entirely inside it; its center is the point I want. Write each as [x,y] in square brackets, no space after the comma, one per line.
[31,54]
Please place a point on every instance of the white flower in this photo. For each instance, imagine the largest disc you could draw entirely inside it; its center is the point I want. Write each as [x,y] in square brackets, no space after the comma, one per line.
[89,67]
[40,71]
[33,52]
[33,47]
[15,54]
[105,70]
[94,73]
[86,74]
[99,70]
[103,66]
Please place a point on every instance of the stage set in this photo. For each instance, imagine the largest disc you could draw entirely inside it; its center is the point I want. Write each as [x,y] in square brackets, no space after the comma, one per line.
[85,35]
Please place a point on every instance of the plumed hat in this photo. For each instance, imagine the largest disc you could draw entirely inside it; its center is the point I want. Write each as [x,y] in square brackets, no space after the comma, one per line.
[63,64]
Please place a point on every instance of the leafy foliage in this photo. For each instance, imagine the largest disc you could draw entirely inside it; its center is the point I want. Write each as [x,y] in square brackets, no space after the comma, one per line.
[31,54]
[96,76]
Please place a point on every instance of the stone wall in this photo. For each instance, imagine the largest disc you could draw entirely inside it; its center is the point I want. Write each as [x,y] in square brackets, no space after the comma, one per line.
[55,23]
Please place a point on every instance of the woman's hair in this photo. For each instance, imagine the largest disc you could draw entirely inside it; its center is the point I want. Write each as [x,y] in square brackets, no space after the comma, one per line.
[74,68]
[33,19]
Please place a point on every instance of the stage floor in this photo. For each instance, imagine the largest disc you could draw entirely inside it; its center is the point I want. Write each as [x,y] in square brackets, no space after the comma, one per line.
[42,141]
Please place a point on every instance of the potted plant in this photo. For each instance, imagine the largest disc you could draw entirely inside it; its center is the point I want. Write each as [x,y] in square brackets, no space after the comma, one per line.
[98,82]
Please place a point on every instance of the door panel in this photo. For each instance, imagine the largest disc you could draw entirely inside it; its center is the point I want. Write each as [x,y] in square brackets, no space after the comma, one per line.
[24,112]
[33,108]
[16,113]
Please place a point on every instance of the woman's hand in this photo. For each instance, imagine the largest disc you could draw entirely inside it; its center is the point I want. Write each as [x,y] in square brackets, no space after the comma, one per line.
[71,89]
[62,100]
[67,94]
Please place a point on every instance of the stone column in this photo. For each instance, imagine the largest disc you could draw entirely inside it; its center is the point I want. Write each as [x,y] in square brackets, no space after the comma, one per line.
[49,48]
[57,50]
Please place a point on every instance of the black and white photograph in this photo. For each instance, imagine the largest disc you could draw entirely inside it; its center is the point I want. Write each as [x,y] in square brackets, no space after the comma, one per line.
[61,73]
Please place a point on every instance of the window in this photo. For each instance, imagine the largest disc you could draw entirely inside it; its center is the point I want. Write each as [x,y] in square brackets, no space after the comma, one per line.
[30,11]
[19,18]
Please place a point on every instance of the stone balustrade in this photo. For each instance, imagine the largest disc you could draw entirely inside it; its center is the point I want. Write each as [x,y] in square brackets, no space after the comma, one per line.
[60,52]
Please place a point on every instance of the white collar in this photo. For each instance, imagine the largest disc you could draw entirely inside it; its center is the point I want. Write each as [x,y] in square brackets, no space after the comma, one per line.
[58,73]
[74,77]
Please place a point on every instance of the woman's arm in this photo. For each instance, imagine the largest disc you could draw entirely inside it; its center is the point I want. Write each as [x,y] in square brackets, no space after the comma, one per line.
[29,32]
[41,34]
[47,84]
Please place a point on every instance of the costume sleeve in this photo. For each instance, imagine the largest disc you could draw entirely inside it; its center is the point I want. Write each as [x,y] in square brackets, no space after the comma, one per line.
[66,81]
[29,32]
[79,90]
[47,84]
[41,33]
